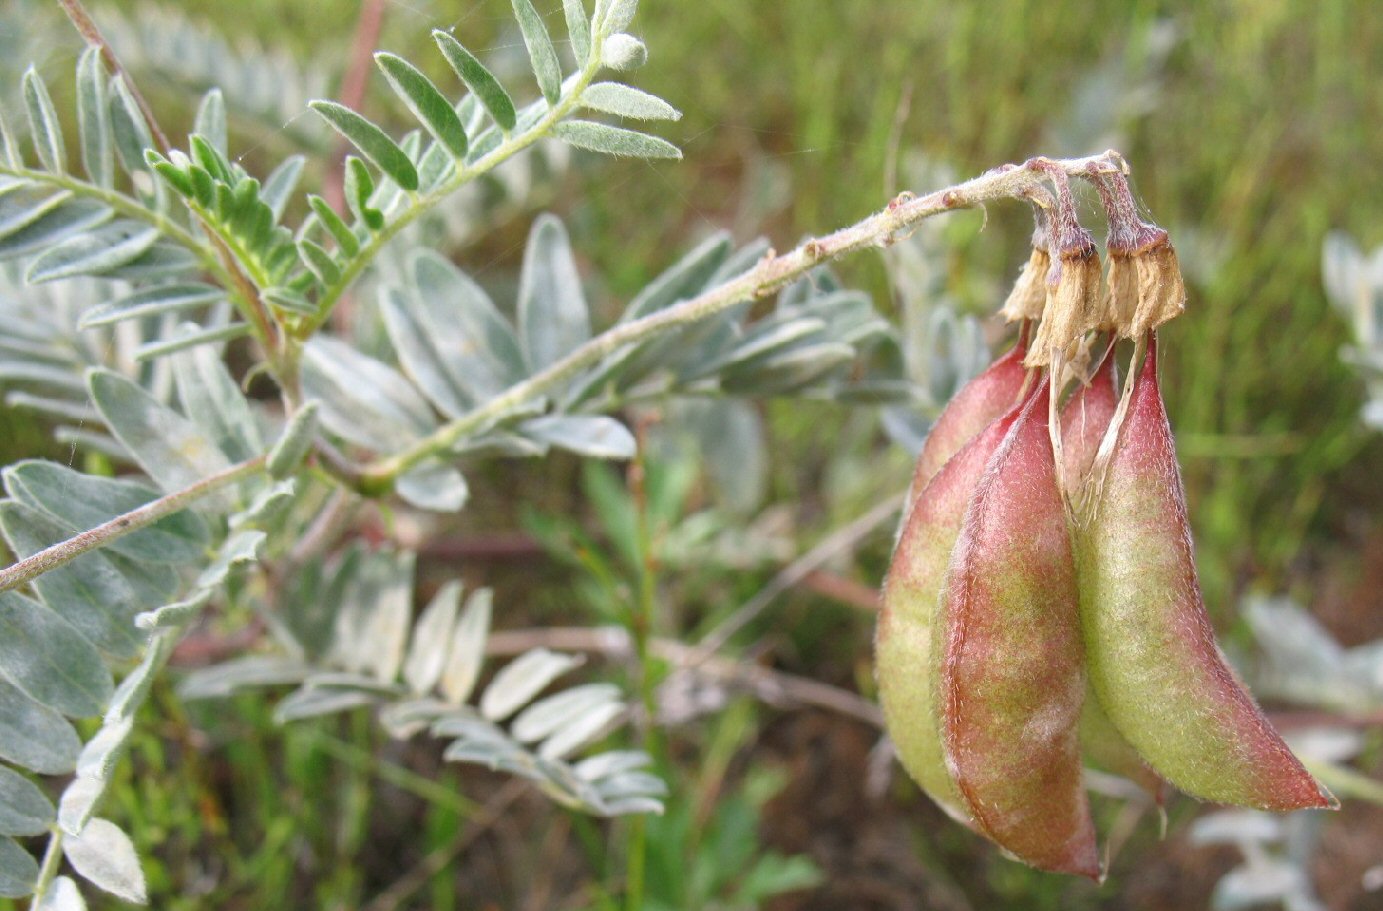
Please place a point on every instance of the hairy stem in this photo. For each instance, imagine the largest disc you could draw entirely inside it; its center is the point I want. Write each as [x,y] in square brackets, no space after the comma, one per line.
[65,551]
[48,869]
[770,274]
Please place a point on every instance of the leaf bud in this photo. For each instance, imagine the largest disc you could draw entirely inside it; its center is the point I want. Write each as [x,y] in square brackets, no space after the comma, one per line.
[623,52]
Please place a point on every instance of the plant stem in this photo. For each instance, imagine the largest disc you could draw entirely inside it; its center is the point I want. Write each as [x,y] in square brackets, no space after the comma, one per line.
[394,774]
[65,551]
[638,854]
[641,617]
[48,869]
[770,274]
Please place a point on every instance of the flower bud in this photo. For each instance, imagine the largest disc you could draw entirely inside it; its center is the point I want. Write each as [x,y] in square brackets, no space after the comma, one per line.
[623,52]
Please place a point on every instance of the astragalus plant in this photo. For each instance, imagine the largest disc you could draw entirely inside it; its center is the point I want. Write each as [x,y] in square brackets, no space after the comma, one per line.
[149,281]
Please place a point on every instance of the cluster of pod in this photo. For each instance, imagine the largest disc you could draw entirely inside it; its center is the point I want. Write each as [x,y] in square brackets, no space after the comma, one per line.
[1042,607]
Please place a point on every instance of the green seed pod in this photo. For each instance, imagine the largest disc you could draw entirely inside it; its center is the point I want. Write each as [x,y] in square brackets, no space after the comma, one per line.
[1084,420]
[904,663]
[984,399]
[1012,683]
[1150,648]
[1106,749]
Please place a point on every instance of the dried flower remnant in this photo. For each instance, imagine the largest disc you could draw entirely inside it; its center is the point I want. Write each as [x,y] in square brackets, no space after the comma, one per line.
[1145,287]
[1028,298]
[1085,419]
[1073,281]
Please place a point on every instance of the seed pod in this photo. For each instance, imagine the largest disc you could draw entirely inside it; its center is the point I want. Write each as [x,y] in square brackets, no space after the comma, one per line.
[904,662]
[981,401]
[1012,682]
[1106,749]
[1084,419]
[1150,649]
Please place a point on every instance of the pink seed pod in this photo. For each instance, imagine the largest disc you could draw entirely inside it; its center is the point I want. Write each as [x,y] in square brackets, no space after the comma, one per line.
[1150,649]
[982,400]
[1084,419]
[905,664]
[1012,681]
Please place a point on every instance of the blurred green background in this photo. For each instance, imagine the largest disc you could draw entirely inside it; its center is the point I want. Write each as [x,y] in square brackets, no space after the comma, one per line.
[1252,128]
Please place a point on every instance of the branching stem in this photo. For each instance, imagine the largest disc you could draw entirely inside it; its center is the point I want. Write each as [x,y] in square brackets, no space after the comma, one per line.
[770,274]
[65,551]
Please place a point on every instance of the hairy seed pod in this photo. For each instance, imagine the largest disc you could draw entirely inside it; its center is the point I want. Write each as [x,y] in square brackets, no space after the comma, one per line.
[904,661]
[1012,683]
[1150,648]
[1106,749]
[981,401]
[1084,419]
